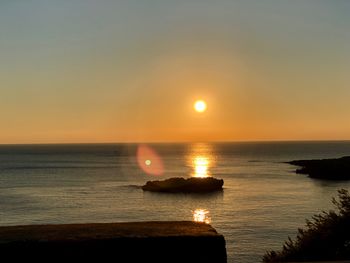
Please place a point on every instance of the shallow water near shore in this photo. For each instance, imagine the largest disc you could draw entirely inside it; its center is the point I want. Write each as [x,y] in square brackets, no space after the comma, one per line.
[263,201]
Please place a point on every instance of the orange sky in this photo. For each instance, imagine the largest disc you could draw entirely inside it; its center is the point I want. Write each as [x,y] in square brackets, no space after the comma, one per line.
[127,72]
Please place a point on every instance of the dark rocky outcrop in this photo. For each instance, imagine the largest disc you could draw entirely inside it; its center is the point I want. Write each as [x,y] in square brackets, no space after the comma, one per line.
[179,241]
[181,185]
[328,169]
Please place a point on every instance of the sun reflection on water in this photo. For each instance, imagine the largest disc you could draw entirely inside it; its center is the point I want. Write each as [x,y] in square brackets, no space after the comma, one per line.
[201,164]
[201,159]
[201,215]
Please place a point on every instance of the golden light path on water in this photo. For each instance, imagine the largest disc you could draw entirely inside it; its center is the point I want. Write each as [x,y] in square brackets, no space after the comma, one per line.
[201,164]
[200,160]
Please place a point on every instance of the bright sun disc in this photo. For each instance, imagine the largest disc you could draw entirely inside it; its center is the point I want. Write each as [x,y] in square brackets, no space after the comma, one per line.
[200,106]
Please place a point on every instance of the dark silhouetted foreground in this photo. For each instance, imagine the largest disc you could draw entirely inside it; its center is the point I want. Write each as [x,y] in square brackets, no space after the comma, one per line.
[328,169]
[326,237]
[115,242]
[181,185]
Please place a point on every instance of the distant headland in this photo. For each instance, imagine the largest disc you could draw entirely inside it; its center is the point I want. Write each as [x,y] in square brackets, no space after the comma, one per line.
[327,169]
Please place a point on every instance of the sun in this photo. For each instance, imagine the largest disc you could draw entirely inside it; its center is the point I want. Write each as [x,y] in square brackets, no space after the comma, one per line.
[200,106]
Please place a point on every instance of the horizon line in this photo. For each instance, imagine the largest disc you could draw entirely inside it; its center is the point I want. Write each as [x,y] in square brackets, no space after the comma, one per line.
[178,142]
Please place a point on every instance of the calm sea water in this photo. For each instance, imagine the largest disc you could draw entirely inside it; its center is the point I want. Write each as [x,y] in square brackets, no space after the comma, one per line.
[262,204]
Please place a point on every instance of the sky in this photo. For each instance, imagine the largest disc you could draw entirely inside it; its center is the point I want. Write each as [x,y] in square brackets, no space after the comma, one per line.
[129,71]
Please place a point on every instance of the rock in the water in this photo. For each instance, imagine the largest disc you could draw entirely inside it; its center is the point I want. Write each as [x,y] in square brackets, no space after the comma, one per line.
[181,185]
[328,169]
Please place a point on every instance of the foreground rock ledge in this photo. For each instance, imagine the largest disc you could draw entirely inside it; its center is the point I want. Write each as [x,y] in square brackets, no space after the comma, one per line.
[327,169]
[178,241]
[181,185]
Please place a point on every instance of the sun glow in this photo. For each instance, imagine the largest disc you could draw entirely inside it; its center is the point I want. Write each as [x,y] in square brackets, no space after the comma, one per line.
[200,106]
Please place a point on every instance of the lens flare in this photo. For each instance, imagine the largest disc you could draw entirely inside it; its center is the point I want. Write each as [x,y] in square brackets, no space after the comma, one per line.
[149,161]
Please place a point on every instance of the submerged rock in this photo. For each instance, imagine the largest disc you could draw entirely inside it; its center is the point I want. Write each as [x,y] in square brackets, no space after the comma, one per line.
[182,185]
[328,169]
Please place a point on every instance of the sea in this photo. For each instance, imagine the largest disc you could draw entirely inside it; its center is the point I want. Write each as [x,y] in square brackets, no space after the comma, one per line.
[263,202]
